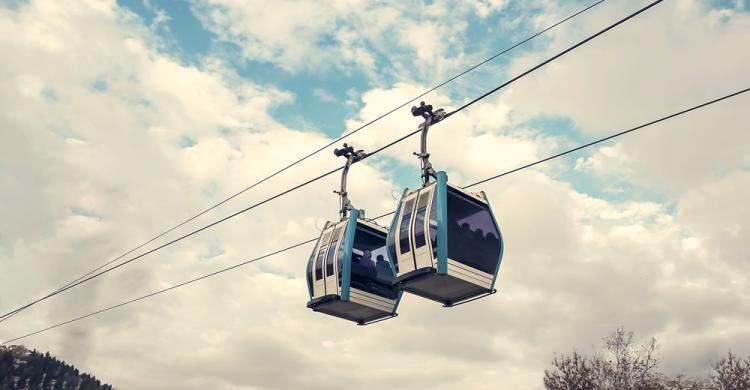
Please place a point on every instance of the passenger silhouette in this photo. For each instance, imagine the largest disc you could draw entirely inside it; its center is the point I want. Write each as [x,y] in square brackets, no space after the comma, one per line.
[368,264]
[367,258]
[465,229]
[479,236]
[464,243]
[384,269]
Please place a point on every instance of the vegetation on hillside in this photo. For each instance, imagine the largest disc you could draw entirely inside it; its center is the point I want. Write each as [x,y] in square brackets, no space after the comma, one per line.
[622,365]
[31,370]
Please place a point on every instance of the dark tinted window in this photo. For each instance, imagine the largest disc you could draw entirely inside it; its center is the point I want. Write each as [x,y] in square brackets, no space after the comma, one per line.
[319,265]
[433,225]
[371,270]
[329,258]
[419,239]
[332,251]
[404,230]
[473,238]
[321,254]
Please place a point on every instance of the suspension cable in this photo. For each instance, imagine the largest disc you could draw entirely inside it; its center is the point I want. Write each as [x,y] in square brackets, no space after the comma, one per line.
[615,135]
[316,151]
[514,79]
[556,56]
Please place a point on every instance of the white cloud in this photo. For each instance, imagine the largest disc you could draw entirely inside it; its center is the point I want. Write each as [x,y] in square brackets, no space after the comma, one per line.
[487,7]
[674,56]
[344,35]
[89,171]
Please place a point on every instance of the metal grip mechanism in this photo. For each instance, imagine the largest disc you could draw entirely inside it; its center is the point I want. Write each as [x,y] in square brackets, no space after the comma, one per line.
[352,157]
[430,118]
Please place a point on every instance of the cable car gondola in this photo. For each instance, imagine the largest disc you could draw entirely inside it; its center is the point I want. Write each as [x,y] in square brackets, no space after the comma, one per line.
[348,274]
[444,242]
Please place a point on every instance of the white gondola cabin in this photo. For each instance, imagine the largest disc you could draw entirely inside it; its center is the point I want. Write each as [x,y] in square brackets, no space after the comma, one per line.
[348,274]
[444,242]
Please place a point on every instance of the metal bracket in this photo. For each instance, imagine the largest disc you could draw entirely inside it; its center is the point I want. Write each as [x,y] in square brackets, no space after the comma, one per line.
[454,304]
[352,157]
[362,323]
[430,118]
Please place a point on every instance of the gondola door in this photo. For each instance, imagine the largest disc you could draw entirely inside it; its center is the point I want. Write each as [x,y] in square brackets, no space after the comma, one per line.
[404,253]
[332,260]
[348,275]
[421,229]
[319,284]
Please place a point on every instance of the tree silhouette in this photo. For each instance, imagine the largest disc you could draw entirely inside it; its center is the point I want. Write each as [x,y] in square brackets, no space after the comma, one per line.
[731,373]
[30,370]
[622,365]
[573,372]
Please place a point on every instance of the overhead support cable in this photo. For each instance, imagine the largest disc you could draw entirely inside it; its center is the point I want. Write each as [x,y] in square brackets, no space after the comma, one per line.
[142,297]
[316,151]
[655,121]
[212,224]
[553,58]
[92,276]
[615,135]
[178,239]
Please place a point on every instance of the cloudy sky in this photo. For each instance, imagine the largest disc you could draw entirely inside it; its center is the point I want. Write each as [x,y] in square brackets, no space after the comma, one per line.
[120,119]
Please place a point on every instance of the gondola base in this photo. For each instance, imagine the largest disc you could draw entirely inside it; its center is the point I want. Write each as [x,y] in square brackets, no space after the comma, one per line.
[348,310]
[446,289]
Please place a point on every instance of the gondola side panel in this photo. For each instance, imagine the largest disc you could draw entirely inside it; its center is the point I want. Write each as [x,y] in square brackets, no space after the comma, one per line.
[404,241]
[319,262]
[420,231]
[331,266]
[500,241]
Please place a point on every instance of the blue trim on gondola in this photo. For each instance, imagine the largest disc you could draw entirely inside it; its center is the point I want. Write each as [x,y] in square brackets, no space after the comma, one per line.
[346,269]
[442,222]
[502,245]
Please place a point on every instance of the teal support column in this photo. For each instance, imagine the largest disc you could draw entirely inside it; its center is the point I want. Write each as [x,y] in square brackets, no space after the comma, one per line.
[346,269]
[442,222]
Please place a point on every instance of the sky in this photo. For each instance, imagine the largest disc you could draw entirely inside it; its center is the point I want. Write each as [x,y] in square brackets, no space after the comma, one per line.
[120,119]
